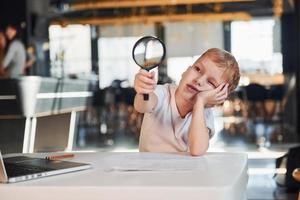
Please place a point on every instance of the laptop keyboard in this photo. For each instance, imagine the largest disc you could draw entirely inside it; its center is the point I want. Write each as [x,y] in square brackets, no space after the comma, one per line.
[14,170]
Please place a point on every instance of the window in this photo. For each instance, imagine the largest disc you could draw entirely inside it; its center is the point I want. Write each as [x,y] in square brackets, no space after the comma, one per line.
[70,50]
[254,43]
[115,60]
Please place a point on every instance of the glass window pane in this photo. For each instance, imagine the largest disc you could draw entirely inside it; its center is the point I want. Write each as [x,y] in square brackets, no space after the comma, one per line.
[115,60]
[252,45]
[70,49]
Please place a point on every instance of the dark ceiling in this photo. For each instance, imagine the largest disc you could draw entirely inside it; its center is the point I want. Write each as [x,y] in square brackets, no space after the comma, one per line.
[114,11]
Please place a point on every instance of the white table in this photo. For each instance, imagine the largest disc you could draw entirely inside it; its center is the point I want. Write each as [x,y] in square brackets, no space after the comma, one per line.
[216,176]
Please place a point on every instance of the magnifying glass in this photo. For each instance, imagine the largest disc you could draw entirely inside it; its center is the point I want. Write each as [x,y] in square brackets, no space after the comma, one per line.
[148,53]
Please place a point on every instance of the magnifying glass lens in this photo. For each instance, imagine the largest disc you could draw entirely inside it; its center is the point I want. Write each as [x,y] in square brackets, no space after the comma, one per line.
[148,52]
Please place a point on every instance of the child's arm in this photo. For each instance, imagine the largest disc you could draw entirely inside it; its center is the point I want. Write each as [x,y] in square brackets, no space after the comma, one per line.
[144,83]
[198,132]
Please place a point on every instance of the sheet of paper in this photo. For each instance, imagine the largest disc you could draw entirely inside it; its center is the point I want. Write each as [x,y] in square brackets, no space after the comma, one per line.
[152,162]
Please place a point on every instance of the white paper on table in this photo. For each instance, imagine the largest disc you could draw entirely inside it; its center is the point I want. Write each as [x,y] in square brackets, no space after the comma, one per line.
[152,162]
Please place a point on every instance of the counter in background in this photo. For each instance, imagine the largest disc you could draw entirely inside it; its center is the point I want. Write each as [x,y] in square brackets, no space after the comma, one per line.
[39,114]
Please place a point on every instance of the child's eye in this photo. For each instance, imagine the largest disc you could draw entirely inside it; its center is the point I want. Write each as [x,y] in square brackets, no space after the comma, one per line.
[211,83]
[197,68]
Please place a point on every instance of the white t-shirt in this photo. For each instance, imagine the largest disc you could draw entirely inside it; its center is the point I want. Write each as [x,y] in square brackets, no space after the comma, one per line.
[163,130]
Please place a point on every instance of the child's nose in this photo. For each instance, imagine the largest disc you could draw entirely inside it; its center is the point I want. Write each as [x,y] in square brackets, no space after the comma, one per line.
[200,80]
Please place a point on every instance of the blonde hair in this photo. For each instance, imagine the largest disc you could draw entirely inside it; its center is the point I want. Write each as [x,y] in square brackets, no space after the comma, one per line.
[226,60]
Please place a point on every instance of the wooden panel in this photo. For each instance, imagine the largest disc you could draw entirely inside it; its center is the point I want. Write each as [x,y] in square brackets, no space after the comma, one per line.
[158,18]
[142,3]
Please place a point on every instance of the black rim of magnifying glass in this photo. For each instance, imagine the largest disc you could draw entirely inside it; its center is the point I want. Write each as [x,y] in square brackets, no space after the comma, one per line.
[150,38]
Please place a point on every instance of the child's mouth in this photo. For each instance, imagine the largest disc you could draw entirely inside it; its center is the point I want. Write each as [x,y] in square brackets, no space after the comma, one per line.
[192,88]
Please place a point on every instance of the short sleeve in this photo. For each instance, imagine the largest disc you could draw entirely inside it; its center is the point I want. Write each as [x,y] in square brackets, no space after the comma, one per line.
[161,91]
[209,120]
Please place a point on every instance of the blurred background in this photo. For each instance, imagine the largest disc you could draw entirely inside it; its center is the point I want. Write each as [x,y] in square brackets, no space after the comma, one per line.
[75,90]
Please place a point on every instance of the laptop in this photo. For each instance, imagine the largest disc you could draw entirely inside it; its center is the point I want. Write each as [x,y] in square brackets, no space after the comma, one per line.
[22,168]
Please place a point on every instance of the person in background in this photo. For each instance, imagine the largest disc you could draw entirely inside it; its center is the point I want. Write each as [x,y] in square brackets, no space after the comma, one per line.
[30,60]
[179,118]
[15,57]
[2,51]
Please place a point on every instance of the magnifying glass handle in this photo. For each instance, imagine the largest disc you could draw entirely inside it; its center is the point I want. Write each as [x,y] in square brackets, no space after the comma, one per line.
[146,97]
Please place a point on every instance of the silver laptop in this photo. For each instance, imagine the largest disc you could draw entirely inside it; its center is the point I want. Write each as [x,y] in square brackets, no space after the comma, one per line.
[22,168]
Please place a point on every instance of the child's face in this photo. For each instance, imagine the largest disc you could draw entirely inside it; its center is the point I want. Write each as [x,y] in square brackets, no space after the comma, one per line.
[203,75]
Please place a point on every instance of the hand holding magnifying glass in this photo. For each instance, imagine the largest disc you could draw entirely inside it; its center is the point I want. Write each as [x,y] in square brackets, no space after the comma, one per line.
[148,53]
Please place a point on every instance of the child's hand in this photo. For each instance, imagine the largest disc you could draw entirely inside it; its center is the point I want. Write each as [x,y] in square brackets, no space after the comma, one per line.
[144,82]
[214,97]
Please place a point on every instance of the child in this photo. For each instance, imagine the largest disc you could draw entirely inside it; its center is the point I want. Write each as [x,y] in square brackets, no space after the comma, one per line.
[179,118]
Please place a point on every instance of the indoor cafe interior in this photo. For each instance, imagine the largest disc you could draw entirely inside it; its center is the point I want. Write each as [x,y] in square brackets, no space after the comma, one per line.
[75,88]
